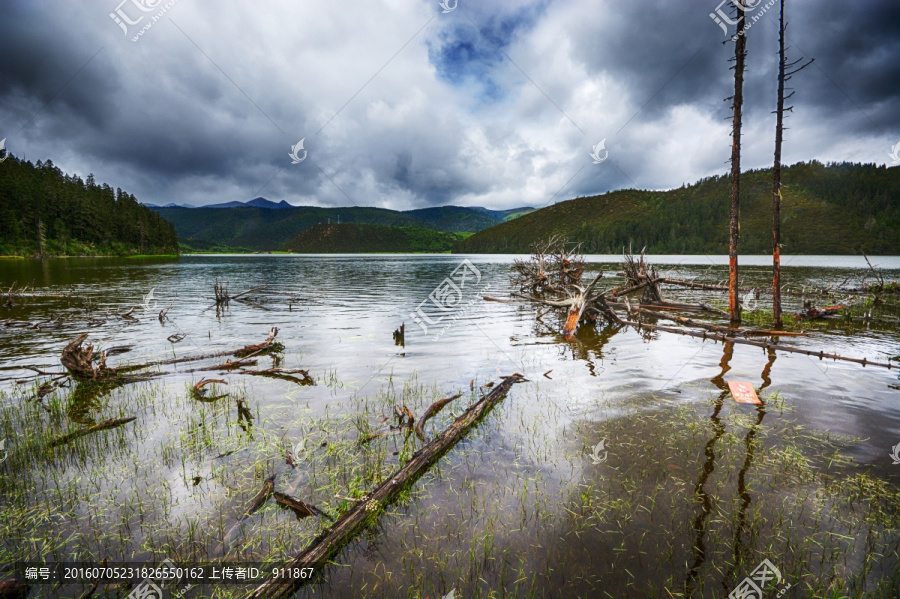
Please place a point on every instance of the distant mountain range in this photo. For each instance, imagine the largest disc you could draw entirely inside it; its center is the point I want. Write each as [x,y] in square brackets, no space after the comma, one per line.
[254,203]
[263,225]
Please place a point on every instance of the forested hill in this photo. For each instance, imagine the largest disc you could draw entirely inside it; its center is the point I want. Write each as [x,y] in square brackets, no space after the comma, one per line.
[835,209]
[45,211]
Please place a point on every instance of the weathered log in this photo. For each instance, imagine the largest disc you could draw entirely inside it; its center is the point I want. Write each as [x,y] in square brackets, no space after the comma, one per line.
[260,500]
[432,410]
[327,544]
[234,297]
[266,346]
[283,373]
[78,361]
[300,508]
[106,424]
[727,330]
[764,344]
[814,313]
[232,364]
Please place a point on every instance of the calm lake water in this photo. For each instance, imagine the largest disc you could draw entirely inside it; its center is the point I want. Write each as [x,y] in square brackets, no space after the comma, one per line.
[519,508]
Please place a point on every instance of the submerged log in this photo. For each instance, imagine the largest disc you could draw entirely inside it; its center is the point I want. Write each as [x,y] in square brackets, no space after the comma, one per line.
[814,313]
[300,508]
[260,500]
[269,345]
[764,344]
[727,330]
[286,374]
[106,424]
[432,410]
[327,544]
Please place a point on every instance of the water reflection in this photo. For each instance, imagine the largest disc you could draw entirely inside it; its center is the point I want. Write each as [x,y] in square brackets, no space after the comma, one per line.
[709,465]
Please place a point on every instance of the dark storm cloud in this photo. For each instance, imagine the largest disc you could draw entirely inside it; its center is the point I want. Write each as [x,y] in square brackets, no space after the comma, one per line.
[401,105]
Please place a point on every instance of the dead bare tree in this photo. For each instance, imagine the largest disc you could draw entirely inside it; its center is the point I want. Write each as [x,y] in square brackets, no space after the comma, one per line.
[641,274]
[554,265]
[740,53]
[785,71]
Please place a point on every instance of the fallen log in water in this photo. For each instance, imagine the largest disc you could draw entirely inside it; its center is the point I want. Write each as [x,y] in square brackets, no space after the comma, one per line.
[78,360]
[709,327]
[266,346]
[111,423]
[255,504]
[327,544]
[286,374]
[432,410]
[300,508]
[764,344]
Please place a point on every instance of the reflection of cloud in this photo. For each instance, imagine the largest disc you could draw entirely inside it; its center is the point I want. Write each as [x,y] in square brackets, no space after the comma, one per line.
[499,119]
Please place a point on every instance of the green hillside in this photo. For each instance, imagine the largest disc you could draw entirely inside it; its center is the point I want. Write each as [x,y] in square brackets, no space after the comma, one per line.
[835,209]
[264,229]
[455,218]
[348,238]
[45,211]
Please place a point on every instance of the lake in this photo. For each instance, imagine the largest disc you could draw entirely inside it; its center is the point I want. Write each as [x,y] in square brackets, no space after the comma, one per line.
[688,494]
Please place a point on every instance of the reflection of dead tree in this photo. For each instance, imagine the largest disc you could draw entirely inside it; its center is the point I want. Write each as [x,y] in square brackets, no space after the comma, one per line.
[554,265]
[365,510]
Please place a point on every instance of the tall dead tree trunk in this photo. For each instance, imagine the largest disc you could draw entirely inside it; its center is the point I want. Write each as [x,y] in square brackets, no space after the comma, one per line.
[776,180]
[740,52]
[783,75]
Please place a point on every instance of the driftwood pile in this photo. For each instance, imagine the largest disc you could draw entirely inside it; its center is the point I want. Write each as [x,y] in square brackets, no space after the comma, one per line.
[549,279]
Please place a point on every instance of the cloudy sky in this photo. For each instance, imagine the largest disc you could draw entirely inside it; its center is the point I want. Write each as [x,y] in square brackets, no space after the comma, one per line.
[403,105]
